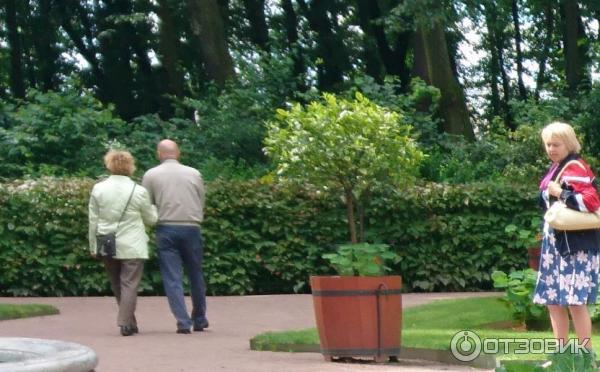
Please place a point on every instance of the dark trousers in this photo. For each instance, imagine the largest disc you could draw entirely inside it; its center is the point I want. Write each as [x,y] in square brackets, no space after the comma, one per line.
[180,246]
[125,277]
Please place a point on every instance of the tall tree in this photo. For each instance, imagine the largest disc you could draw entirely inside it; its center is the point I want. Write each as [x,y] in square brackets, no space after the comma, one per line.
[494,62]
[496,42]
[453,105]
[547,28]
[44,42]
[330,47]
[519,52]
[209,35]
[168,49]
[17,79]
[292,37]
[391,53]
[367,14]
[259,32]
[78,23]
[576,45]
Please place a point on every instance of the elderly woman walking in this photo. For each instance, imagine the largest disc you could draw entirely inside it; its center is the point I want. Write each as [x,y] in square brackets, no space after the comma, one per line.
[119,209]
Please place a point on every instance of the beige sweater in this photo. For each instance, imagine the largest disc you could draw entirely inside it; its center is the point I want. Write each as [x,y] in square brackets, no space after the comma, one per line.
[177,191]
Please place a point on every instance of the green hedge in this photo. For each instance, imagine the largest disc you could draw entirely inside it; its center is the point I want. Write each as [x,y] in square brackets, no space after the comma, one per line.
[261,238]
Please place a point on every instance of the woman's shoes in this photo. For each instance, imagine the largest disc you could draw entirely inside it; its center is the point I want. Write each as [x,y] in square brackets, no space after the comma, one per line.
[128,330]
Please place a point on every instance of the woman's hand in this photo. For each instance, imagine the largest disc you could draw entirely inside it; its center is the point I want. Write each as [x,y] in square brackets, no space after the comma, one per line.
[554,189]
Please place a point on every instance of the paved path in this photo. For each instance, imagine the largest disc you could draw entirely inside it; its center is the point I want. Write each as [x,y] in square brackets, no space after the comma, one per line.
[222,347]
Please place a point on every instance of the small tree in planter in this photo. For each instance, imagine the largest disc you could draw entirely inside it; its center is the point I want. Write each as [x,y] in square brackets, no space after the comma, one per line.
[347,147]
[344,146]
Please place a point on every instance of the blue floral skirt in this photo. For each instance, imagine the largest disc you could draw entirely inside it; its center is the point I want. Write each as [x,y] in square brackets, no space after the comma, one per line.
[565,281]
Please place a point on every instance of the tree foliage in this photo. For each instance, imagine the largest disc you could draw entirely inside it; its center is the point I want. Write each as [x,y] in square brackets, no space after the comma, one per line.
[345,145]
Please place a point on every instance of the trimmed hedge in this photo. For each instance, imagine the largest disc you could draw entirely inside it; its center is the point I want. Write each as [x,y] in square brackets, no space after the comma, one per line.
[262,238]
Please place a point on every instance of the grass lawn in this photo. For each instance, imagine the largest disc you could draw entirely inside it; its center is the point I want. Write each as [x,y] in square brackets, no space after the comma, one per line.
[10,311]
[432,326]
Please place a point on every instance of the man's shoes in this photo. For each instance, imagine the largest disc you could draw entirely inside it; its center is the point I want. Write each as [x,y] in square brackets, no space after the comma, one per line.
[200,326]
[183,331]
[127,331]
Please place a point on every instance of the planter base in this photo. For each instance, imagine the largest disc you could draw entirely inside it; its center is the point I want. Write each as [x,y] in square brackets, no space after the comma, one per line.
[358,316]
[379,356]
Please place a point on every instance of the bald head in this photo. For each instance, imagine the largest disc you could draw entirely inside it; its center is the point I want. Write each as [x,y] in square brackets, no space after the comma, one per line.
[167,149]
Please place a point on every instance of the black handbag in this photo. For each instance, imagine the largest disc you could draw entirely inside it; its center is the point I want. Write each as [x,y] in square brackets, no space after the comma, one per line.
[106,244]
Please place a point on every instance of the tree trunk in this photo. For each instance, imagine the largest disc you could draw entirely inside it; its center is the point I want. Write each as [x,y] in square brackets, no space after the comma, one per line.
[209,34]
[549,29]
[393,60]
[519,56]
[505,86]
[329,47]
[44,42]
[366,15]
[576,46]
[168,50]
[225,16]
[115,59]
[83,39]
[259,32]
[349,196]
[17,80]
[401,48]
[453,105]
[494,65]
[149,92]
[291,32]
[419,67]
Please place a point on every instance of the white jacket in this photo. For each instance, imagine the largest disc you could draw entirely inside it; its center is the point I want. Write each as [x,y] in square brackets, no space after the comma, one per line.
[107,201]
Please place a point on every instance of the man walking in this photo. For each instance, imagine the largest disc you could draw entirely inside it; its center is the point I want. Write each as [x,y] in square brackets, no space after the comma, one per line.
[178,193]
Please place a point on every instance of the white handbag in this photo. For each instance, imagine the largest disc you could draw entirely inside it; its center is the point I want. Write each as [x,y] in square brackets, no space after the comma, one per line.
[561,217]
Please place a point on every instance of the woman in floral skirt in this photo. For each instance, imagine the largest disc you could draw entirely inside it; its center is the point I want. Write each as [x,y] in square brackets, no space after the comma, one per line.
[568,273]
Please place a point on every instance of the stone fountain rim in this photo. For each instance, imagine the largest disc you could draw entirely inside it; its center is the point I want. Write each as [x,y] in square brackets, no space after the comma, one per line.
[43,355]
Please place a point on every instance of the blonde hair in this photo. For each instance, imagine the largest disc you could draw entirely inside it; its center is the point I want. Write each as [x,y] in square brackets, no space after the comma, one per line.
[119,162]
[565,133]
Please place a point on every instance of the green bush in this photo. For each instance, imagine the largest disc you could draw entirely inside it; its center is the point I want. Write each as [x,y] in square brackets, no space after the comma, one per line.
[520,288]
[61,134]
[362,259]
[262,238]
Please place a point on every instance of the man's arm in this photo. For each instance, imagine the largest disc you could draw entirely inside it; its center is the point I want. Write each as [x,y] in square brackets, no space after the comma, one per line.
[93,223]
[147,183]
[149,213]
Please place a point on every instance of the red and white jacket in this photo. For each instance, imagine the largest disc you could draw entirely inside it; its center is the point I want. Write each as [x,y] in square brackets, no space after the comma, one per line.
[579,187]
[579,193]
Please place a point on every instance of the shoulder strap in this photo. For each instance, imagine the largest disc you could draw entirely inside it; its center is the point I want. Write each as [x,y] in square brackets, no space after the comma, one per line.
[126,205]
[557,178]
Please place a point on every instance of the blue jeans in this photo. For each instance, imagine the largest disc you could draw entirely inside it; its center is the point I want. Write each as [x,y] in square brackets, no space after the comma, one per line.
[180,246]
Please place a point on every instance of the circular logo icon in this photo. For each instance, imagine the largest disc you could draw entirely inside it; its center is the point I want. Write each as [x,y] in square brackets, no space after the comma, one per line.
[465,346]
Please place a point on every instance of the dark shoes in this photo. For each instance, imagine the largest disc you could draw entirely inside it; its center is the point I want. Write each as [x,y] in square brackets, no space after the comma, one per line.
[200,326]
[128,330]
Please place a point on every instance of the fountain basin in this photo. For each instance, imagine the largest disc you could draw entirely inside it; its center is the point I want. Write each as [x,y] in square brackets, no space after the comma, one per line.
[19,354]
